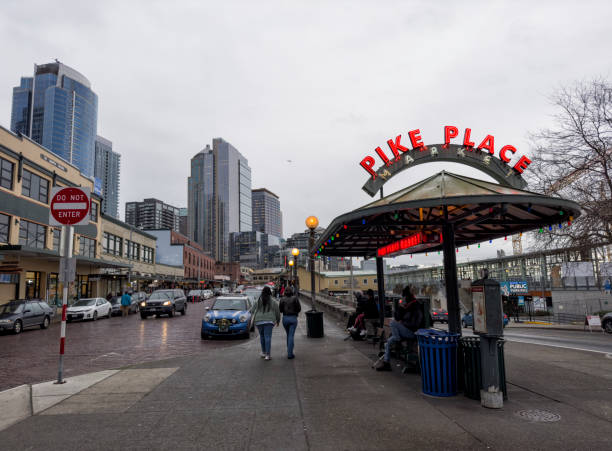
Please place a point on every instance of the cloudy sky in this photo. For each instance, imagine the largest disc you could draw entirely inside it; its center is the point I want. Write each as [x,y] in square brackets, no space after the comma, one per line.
[306,89]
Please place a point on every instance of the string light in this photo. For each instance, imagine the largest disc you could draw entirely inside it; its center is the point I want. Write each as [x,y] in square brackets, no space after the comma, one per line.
[550,228]
[345,227]
[506,238]
[559,225]
[478,245]
[468,246]
[363,221]
[490,241]
[541,230]
[560,213]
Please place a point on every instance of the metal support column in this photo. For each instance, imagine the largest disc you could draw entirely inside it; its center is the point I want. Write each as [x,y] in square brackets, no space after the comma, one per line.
[450,278]
[380,279]
[311,262]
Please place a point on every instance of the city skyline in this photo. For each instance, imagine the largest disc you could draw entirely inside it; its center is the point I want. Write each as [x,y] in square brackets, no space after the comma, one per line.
[297,124]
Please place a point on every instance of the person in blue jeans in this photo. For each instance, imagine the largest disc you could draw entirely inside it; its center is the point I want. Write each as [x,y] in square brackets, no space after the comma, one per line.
[290,307]
[265,316]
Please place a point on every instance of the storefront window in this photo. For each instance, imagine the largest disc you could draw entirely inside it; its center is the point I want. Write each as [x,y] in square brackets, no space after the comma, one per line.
[53,290]
[32,285]
[83,287]
[5,223]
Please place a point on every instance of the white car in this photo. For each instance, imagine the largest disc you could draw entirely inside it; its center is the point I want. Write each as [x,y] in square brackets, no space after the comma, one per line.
[207,294]
[89,308]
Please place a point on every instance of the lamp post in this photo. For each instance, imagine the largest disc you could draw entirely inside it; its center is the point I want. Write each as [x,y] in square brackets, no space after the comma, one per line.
[295,252]
[312,222]
[291,270]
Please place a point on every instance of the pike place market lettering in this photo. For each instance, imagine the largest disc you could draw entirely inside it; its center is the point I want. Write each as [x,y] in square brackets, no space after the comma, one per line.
[481,156]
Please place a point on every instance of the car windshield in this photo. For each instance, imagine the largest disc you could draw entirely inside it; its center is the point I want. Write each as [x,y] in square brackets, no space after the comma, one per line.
[84,303]
[11,307]
[161,295]
[229,304]
[195,293]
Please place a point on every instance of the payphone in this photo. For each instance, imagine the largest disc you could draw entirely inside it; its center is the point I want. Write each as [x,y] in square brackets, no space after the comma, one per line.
[488,322]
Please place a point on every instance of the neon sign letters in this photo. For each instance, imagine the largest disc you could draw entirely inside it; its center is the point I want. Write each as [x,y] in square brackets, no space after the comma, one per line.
[408,242]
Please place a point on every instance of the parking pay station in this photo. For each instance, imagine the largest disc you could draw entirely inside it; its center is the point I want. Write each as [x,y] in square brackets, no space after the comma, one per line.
[488,323]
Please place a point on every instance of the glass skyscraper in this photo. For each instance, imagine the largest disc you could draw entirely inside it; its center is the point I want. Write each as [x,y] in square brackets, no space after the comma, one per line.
[219,196]
[267,216]
[107,168]
[57,109]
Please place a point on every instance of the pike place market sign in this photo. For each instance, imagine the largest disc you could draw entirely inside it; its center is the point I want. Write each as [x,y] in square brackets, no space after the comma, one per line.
[483,156]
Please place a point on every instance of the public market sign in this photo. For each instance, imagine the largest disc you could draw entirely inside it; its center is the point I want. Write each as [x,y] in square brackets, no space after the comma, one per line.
[514,288]
[484,156]
[69,206]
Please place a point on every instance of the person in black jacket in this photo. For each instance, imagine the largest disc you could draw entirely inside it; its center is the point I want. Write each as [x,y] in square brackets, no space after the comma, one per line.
[410,317]
[290,307]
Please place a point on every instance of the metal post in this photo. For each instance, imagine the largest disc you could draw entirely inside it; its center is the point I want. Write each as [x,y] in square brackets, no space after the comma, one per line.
[380,279]
[490,394]
[450,277]
[311,262]
[66,246]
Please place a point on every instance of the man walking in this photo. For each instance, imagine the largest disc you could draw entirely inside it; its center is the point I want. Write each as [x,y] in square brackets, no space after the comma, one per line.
[126,301]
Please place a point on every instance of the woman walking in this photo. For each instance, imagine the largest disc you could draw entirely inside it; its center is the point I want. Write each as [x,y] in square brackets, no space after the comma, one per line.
[265,316]
[290,307]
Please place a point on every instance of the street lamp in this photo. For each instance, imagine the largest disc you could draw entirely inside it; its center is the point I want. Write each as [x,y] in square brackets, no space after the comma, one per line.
[312,222]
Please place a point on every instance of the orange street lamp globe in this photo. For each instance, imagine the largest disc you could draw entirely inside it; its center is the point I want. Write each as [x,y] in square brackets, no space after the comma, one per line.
[290,262]
[295,252]
[312,222]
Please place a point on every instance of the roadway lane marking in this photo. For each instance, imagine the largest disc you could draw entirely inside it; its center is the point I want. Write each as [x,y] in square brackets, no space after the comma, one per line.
[607,353]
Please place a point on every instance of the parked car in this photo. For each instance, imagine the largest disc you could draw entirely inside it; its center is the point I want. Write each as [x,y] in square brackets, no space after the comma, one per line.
[468,320]
[137,298]
[253,294]
[164,302]
[207,294]
[228,316]
[439,315]
[606,322]
[89,308]
[18,314]
[196,296]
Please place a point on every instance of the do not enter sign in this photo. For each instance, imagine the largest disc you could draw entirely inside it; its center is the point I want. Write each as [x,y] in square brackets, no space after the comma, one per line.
[69,206]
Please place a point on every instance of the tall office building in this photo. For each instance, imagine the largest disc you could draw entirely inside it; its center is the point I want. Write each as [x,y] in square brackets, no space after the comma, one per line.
[267,216]
[183,222]
[219,197]
[152,214]
[107,168]
[57,109]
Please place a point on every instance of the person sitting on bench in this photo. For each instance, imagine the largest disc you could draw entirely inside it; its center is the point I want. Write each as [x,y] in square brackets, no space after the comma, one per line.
[371,315]
[407,321]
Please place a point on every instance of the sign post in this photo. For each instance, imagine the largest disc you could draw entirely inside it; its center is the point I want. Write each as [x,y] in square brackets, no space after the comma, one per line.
[68,207]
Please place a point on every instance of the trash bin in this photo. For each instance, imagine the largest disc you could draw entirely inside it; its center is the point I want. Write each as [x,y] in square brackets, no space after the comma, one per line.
[469,350]
[314,324]
[438,355]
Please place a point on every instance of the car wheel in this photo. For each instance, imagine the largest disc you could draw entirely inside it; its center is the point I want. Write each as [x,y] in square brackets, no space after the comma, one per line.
[172,312]
[607,326]
[184,311]
[45,323]
[17,327]
[95,317]
[69,320]
[110,313]
[143,315]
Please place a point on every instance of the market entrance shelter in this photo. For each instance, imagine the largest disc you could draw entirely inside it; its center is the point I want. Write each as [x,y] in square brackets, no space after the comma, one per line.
[444,212]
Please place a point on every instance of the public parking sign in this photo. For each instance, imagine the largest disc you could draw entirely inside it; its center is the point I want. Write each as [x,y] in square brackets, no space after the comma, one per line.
[69,206]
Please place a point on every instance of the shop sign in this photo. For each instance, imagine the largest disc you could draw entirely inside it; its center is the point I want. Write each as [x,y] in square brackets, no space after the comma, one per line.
[514,288]
[409,242]
[484,156]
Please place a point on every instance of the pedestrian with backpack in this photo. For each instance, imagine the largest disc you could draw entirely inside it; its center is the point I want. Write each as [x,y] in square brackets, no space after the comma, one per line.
[290,307]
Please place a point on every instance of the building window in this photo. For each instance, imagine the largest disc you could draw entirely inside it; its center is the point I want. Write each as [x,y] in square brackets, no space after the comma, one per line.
[87,247]
[132,250]
[345,281]
[34,186]
[112,244]
[93,213]
[6,173]
[147,254]
[5,225]
[365,281]
[57,234]
[32,234]
[335,281]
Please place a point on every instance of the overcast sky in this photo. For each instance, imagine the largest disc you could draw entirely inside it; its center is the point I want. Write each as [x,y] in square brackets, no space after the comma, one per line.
[304,90]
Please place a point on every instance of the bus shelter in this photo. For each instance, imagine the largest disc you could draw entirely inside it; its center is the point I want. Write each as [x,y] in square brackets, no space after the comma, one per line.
[441,213]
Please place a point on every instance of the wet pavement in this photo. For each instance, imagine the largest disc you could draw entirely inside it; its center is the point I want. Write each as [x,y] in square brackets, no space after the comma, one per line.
[32,356]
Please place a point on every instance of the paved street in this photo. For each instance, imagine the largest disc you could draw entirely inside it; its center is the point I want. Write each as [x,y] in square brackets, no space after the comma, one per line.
[32,356]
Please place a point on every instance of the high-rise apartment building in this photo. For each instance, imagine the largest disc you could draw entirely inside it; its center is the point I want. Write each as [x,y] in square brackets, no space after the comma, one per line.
[267,216]
[107,168]
[219,197]
[152,214]
[57,109]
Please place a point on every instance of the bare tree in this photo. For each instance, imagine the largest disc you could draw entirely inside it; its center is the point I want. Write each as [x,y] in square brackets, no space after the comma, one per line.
[574,160]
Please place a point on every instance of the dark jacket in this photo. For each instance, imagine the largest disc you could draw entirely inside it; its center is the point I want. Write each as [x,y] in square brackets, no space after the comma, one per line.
[412,316]
[290,306]
[371,309]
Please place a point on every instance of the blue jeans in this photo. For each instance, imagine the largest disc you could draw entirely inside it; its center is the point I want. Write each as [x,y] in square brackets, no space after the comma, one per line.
[290,324]
[265,337]
[398,332]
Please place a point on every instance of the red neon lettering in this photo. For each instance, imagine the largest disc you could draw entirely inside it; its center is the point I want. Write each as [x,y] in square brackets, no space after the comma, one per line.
[487,143]
[395,146]
[466,138]
[368,164]
[502,153]
[449,133]
[382,155]
[415,139]
[522,164]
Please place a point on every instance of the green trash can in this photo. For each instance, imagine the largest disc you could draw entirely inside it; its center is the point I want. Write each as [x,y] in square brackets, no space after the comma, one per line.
[469,352]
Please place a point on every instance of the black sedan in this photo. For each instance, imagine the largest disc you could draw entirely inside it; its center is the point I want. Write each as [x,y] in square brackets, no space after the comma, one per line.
[19,314]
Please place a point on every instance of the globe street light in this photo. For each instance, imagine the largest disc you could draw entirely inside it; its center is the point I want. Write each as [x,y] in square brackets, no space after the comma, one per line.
[312,222]
[295,252]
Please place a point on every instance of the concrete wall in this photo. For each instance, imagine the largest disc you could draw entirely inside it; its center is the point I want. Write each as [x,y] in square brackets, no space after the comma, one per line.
[578,302]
